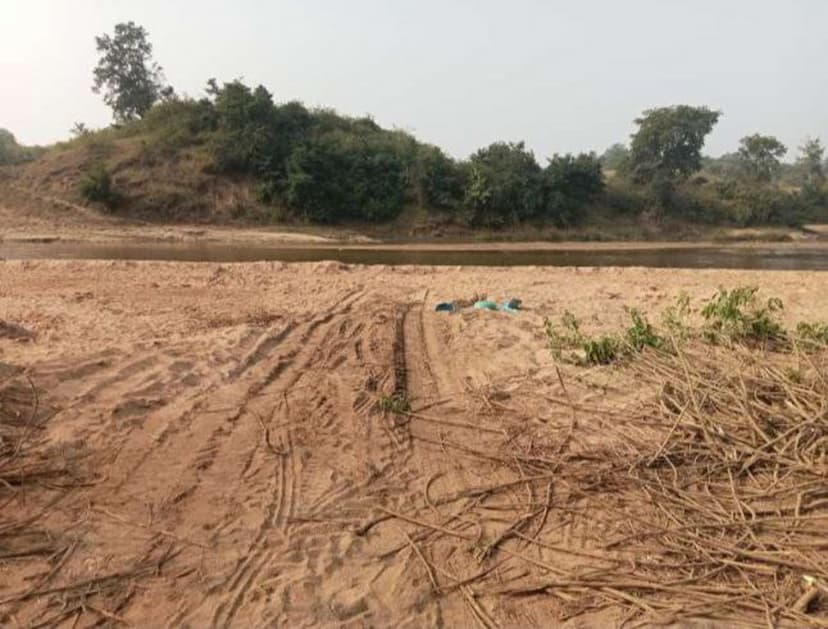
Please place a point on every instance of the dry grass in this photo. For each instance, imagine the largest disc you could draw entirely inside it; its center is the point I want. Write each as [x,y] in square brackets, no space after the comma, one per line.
[707,502]
[35,477]
[737,488]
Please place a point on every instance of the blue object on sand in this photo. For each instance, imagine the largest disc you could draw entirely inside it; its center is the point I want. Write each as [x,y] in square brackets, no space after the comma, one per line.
[444,307]
[485,305]
[513,305]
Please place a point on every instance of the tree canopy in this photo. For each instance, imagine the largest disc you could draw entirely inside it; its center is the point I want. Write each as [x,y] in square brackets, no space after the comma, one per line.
[759,156]
[505,185]
[666,149]
[810,164]
[615,157]
[130,80]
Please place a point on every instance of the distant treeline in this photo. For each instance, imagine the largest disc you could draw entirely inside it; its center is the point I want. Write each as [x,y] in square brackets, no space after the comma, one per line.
[319,166]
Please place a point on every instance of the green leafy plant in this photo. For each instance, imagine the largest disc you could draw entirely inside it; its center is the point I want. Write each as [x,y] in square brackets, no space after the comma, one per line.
[602,350]
[568,336]
[737,315]
[396,403]
[642,334]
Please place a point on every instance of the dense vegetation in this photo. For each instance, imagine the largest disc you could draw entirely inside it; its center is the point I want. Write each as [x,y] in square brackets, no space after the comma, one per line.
[318,166]
[13,153]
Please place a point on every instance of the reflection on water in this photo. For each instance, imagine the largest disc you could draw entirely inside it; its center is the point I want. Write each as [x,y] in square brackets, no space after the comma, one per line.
[767,258]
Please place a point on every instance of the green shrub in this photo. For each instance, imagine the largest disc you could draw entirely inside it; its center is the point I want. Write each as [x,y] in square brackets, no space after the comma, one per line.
[437,179]
[737,315]
[177,124]
[730,316]
[813,333]
[569,182]
[13,153]
[568,336]
[602,351]
[96,187]
[504,186]
[622,196]
[642,334]
[396,403]
[339,177]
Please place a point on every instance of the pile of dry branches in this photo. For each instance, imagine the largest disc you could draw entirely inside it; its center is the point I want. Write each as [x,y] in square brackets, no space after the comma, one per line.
[711,500]
[739,485]
[733,484]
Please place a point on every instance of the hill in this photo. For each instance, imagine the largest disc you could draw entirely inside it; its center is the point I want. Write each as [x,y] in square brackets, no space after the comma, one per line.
[238,158]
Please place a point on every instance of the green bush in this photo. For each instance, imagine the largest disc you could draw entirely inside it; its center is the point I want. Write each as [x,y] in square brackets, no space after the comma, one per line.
[178,123]
[504,186]
[731,316]
[96,187]
[339,177]
[397,403]
[438,180]
[601,351]
[675,318]
[244,139]
[622,196]
[13,153]
[642,334]
[569,182]
[568,336]
[751,203]
[738,315]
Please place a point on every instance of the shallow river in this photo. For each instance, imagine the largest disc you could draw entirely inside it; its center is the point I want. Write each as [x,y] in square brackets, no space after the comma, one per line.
[802,257]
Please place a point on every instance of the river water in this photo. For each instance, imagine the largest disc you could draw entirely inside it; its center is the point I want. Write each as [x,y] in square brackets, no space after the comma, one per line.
[800,257]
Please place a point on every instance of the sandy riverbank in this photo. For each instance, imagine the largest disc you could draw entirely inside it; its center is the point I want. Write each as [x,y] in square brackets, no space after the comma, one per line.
[229,412]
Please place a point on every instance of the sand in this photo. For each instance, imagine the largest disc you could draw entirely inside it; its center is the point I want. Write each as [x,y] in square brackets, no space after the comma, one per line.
[224,420]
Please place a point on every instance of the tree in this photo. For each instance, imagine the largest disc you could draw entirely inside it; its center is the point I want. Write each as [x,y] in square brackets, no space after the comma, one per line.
[9,149]
[130,80]
[615,157]
[759,155]
[245,136]
[569,182]
[666,149]
[505,185]
[437,179]
[13,153]
[340,177]
[79,129]
[727,165]
[809,164]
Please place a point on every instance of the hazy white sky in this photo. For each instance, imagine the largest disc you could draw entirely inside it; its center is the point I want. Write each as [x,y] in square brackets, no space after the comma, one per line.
[560,74]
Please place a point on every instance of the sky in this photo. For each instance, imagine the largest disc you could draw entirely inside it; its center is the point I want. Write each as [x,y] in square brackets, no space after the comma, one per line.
[564,76]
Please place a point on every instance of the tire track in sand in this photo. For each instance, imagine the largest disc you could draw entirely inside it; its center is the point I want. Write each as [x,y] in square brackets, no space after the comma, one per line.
[271,378]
